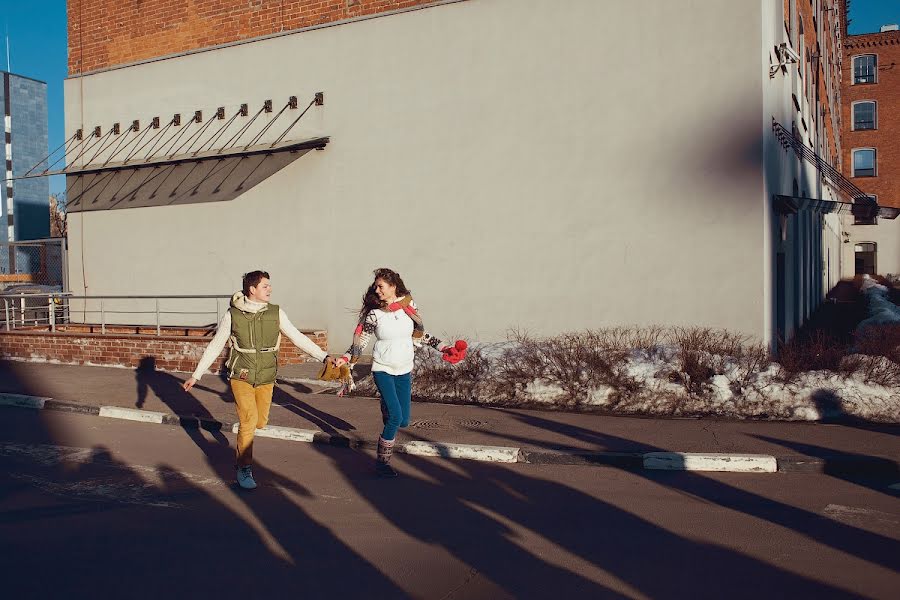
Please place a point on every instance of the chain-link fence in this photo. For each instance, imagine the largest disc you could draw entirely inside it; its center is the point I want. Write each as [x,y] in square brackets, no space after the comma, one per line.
[34,266]
[32,278]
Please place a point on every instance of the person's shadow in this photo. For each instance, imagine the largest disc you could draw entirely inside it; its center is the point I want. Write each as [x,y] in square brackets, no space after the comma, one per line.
[168,389]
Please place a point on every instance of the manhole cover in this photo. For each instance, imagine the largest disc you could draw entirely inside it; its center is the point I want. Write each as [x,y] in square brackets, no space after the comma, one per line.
[425,424]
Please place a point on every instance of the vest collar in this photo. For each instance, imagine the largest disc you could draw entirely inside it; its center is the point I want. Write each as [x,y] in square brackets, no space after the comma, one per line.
[244,304]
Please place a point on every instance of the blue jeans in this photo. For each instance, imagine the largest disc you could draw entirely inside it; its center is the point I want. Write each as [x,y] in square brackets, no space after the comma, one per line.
[396,392]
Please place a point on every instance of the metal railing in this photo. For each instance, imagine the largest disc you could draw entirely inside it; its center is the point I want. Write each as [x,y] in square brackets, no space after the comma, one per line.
[27,311]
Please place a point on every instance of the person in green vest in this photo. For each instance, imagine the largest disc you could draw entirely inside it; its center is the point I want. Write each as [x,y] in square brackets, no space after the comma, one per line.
[254,327]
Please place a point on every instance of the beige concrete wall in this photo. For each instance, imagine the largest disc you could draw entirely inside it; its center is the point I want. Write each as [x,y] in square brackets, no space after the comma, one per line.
[887,237]
[520,165]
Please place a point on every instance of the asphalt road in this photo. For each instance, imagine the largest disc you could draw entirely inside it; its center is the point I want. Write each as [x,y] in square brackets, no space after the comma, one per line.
[99,508]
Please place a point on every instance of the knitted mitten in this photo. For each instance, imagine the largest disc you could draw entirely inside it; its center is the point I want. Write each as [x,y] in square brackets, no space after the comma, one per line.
[455,353]
[330,372]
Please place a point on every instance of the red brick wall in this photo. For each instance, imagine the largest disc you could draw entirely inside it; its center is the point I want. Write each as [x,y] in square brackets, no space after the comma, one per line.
[819,62]
[886,92]
[171,353]
[103,33]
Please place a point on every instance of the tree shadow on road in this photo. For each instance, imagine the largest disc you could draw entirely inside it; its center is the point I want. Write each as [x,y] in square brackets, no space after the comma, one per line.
[490,516]
[325,421]
[873,547]
[107,528]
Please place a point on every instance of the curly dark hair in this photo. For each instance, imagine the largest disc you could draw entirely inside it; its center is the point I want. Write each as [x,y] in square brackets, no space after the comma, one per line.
[370,300]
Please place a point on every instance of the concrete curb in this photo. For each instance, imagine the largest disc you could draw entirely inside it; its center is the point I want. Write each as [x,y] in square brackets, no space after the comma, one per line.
[668,461]
[710,461]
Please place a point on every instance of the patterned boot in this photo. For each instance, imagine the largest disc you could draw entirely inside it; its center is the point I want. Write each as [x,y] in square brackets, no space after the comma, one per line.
[382,465]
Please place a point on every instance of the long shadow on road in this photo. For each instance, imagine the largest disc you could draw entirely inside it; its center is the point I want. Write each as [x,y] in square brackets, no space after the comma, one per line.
[78,522]
[869,546]
[484,514]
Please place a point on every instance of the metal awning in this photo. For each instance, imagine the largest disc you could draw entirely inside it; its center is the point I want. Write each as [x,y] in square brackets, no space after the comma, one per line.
[862,208]
[208,177]
[160,161]
[834,178]
[181,162]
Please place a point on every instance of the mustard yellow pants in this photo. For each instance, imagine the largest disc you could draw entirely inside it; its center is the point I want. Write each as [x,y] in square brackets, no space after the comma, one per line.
[253,404]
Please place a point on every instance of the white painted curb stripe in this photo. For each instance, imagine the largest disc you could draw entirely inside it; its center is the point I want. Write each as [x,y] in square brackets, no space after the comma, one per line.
[486,453]
[282,433]
[22,401]
[131,414]
[698,461]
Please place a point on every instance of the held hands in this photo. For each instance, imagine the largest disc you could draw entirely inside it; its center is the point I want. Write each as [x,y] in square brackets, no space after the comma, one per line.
[189,384]
[338,370]
[455,353]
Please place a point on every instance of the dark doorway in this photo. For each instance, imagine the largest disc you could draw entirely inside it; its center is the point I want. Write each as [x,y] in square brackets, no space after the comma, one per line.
[866,255]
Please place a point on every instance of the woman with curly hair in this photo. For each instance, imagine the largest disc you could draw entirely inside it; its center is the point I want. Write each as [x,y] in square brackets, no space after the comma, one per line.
[389,315]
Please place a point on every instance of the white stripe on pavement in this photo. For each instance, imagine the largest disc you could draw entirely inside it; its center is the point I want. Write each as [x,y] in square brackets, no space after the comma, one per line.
[283,433]
[131,414]
[712,461]
[471,452]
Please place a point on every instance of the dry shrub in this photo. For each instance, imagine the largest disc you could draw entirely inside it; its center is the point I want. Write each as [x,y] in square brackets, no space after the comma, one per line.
[576,363]
[877,357]
[816,351]
[872,369]
[883,340]
[647,340]
[703,353]
[434,378]
[693,368]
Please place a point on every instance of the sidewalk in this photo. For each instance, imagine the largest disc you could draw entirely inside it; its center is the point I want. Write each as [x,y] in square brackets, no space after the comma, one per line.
[536,436]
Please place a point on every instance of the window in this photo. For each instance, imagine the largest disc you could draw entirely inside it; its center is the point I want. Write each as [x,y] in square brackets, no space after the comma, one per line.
[864,68]
[866,218]
[864,115]
[864,162]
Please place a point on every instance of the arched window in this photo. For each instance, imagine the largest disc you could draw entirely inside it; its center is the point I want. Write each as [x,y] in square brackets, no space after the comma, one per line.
[864,162]
[865,68]
[864,115]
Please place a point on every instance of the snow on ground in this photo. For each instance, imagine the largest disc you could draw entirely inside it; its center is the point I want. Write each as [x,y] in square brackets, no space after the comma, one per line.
[659,390]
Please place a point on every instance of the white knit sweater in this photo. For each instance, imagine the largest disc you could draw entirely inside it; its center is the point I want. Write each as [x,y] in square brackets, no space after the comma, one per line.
[394,349]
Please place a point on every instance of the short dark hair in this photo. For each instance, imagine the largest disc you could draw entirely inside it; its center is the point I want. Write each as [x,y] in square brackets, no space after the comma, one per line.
[252,279]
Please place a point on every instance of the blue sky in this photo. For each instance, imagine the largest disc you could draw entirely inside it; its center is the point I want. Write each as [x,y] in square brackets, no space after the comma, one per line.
[37,49]
[37,39]
[867,16]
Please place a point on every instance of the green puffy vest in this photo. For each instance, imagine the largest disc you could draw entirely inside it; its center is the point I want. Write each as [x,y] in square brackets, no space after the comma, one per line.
[255,339]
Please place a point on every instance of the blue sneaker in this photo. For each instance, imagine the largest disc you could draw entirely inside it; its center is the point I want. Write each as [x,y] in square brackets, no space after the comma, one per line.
[245,478]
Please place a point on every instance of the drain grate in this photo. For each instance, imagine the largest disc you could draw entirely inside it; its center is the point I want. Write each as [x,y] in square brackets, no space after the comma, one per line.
[471,424]
[455,424]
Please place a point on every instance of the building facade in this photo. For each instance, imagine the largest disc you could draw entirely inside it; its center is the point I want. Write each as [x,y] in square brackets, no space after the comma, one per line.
[521,166]
[871,153]
[25,202]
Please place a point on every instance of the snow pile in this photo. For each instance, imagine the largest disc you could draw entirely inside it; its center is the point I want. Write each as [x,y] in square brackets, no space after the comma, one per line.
[673,373]
[880,308]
